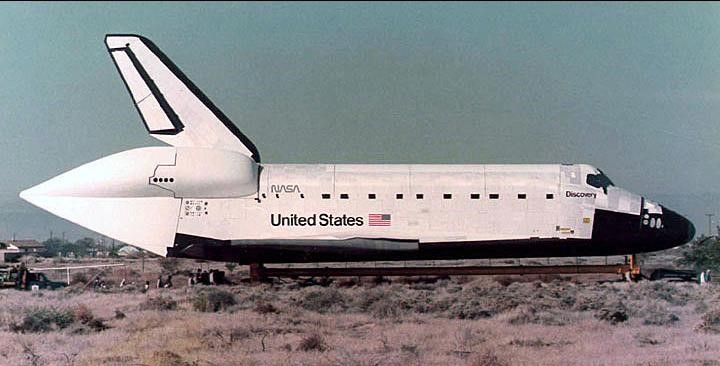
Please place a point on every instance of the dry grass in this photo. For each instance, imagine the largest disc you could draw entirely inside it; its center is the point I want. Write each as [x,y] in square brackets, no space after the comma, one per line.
[547,320]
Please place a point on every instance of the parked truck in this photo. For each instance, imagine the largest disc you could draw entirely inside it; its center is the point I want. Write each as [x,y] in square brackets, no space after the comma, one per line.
[24,279]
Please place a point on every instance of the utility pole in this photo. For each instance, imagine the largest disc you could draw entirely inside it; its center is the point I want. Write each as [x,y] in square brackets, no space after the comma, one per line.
[709,223]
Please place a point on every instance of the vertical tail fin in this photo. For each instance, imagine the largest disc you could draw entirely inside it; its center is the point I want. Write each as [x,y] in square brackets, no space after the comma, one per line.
[173,109]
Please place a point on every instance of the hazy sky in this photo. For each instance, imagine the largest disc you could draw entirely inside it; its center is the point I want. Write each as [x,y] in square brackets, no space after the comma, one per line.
[633,89]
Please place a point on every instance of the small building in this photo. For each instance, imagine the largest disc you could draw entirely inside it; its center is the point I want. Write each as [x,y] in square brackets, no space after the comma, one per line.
[19,248]
[8,252]
[128,252]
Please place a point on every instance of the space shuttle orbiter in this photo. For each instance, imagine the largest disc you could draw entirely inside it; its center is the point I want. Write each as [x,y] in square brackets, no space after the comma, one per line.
[207,195]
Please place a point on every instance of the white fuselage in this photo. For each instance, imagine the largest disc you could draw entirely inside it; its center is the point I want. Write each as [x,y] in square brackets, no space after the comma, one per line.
[428,203]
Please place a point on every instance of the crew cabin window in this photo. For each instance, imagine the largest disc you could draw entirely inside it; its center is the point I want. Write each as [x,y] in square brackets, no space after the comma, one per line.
[447,196]
[326,196]
[344,196]
[475,196]
[419,196]
[599,180]
[371,196]
[522,196]
[549,196]
[399,196]
[494,196]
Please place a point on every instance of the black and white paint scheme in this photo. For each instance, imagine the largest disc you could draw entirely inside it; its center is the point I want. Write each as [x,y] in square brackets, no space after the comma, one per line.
[209,196]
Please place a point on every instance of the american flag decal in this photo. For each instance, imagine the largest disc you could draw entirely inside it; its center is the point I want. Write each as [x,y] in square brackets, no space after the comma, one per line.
[379,220]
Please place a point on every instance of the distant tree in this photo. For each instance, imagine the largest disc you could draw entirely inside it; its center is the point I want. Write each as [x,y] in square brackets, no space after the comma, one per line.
[114,251]
[86,242]
[83,246]
[57,246]
[54,246]
[170,265]
[703,253]
[230,266]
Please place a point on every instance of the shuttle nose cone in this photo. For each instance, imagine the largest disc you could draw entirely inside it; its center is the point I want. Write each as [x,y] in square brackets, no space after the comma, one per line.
[31,194]
[677,229]
[25,194]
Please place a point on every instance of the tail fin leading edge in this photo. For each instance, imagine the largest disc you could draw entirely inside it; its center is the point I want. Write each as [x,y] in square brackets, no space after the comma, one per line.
[172,108]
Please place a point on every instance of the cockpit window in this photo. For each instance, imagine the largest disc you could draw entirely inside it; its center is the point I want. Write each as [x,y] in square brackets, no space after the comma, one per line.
[599,180]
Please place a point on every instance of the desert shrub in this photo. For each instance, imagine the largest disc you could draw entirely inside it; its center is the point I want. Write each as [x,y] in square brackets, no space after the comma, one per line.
[426,301]
[230,266]
[478,299]
[523,314]
[647,339]
[324,300]
[674,293]
[82,314]
[224,338]
[379,280]
[347,282]
[367,297]
[472,309]
[504,280]
[410,349]
[701,306]
[487,358]
[213,300]
[86,321]
[237,334]
[160,303]
[313,342]
[263,307]
[656,314]
[128,287]
[585,302]
[492,296]
[344,357]
[425,282]
[386,308]
[613,314]
[534,343]
[382,301]
[710,322]
[660,319]
[166,358]
[38,320]
[465,338]
[79,277]
[528,314]
[76,288]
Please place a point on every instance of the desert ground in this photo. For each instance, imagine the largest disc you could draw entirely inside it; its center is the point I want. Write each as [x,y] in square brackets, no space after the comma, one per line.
[459,320]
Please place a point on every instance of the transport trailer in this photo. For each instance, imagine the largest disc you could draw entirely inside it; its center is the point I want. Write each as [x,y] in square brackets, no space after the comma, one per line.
[630,270]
